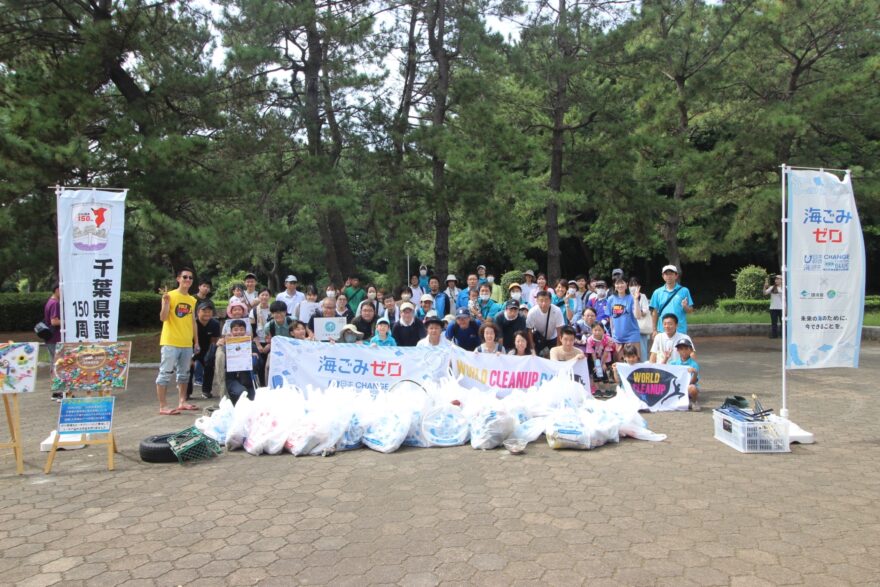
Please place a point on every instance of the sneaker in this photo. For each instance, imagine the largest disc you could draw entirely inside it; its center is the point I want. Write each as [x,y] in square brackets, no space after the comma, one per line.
[57,396]
[207,396]
[198,382]
[695,406]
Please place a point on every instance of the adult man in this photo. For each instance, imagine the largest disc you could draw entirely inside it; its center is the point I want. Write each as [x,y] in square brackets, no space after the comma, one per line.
[178,341]
[481,274]
[290,296]
[52,319]
[510,322]
[328,310]
[472,282]
[354,292]
[434,329]
[452,292]
[208,333]
[544,322]
[426,304]
[250,290]
[390,309]
[566,350]
[671,298]
[665,347]
[408,331]
[528,285]
[464,332]
[441,298]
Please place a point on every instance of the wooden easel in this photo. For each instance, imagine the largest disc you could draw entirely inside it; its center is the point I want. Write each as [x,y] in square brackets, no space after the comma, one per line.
[109,439]
[13,418]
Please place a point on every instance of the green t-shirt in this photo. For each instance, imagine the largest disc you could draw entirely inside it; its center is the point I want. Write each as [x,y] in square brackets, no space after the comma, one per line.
[355,297]
[274,329]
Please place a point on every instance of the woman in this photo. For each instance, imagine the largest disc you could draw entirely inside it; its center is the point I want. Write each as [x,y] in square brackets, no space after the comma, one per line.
[365,323]
[540,286]
[259,317]
[522,345]
[775,293]
[372,299]
[646,324]
[342,309]
[489,338]
[563,297]
[624,314]
[415,289]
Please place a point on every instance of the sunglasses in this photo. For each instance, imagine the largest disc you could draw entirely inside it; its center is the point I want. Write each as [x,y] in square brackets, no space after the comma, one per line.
[188,277]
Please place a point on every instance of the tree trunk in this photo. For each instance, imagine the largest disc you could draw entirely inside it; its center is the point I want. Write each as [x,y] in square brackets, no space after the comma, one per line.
[436,35]
[673,220]
[560,107]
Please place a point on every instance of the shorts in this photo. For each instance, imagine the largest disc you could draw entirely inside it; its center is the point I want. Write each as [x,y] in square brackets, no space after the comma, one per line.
[174,358]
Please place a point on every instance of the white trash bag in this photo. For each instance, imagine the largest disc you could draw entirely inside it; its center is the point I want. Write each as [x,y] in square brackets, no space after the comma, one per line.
[445,426]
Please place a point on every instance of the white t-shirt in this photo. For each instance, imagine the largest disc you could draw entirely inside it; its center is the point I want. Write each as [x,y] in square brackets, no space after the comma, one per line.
[247,326]
[291,300]
[443,341]
[775,298]
[664,347]
[646,323]
[251,298]
[536,320]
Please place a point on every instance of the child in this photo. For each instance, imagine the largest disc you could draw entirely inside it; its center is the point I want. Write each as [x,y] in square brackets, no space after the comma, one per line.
[238,382]
[665,343]
[280,323]
[238,296]
[600,349]
[236,311]
[685,350]
[382,338]
[630,357]
[299,331]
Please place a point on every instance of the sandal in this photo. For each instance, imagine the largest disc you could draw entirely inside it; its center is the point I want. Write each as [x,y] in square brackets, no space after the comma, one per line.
[169,412]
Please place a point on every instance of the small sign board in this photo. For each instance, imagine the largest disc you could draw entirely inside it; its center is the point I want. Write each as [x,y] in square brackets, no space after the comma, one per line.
[86,415]
[91,366]
[238,354]
[328,328]
[18,367]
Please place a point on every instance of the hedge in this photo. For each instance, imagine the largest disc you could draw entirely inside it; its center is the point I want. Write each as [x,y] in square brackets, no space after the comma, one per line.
[19,312]
[872,304]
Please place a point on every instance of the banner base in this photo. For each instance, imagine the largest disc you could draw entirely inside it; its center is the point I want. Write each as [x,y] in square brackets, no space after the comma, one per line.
[798,434]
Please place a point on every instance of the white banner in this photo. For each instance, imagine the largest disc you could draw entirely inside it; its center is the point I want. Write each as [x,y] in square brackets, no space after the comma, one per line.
[491,371]
[363,368]
[661,388]
[91,223]
[826,265]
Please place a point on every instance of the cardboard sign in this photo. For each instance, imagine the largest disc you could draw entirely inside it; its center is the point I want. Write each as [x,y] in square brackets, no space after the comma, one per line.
[91,366]
[238,354]
[328,328]
[86,415]
[18,367]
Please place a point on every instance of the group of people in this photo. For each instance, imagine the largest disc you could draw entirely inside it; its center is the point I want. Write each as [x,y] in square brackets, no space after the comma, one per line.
[580,318]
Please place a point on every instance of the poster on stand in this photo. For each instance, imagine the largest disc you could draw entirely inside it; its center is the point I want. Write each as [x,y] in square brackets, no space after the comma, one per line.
[18,366]
[91,366]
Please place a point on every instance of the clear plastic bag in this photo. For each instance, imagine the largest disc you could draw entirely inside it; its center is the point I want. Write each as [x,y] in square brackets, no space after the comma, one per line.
[445,426]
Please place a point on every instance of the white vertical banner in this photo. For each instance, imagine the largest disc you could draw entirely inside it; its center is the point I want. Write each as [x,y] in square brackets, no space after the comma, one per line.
[826,265]
[91,223]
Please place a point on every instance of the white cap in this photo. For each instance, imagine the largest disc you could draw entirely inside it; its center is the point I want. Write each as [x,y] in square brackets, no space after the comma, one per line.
[426,298]
[669,268]
[290,278]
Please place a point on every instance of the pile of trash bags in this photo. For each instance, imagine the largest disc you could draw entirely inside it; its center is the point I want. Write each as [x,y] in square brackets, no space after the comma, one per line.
[311,421]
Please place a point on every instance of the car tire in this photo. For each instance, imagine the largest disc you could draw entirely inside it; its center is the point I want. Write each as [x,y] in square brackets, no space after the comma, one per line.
[155,449]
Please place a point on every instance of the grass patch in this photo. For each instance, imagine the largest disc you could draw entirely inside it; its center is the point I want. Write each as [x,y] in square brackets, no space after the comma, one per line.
[716,316]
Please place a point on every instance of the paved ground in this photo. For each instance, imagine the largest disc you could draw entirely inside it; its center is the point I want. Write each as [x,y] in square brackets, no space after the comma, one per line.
[687,511]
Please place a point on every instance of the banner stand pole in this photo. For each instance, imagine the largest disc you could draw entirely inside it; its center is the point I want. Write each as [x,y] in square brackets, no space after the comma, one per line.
[795,432]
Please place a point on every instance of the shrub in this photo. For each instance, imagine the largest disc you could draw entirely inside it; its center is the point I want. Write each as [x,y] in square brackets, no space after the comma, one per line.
[750,282]
[20,311]
[507,279]
[872,304]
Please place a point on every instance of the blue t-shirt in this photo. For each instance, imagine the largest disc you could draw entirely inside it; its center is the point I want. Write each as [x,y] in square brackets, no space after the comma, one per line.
[659,298]
[467,338]
[689,363]
[561,303]
[624,326]
[389,341]
[489,308]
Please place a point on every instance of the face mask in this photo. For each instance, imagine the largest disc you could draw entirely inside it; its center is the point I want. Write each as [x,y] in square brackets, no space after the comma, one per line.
[572,291]
[484,297]
[632,291]
[348,337]
[372,295]
[405,297]
[331,293]
[490,279]
[423,272]
[516,295]
[601,292]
